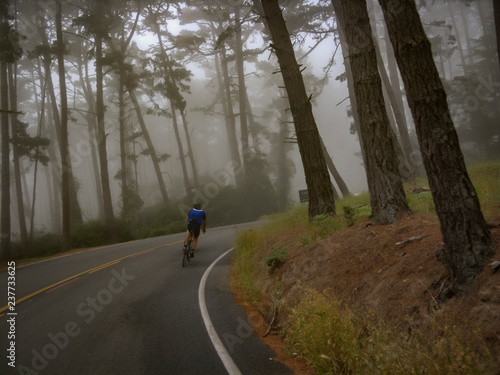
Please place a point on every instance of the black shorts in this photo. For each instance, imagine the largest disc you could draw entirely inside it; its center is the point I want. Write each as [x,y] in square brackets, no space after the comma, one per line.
[194,227]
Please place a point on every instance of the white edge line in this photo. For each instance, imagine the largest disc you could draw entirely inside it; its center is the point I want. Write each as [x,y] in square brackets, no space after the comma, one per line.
[226,359]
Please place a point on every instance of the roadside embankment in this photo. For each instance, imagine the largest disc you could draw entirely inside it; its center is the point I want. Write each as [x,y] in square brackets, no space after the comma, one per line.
[346,296]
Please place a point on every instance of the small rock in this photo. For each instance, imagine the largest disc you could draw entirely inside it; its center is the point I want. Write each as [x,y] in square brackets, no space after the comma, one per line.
[494,265]
[492,224]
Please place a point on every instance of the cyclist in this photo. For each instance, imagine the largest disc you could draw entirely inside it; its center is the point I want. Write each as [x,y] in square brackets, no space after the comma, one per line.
[196,220]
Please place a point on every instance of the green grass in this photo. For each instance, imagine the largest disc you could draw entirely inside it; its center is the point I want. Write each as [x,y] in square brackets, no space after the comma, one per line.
[277,256]
[243,266]
[485,178]
[421,203]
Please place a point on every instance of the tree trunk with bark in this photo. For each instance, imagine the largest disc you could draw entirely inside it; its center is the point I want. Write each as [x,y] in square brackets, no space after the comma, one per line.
[395,112]
[321,200]
[149,142]
[192,160]
[245,150]
[122,127]
[284,175]
[180,147]
[90,118]
[496,14]
[337,8]
[5,227]
[460,49]
[101,137]
[398,107]
[387,196]
[231,120]
[5,239]
[334,172]
[467,241]
[76,212]
[253,127]
[124,43]
[64,147]
[23,231]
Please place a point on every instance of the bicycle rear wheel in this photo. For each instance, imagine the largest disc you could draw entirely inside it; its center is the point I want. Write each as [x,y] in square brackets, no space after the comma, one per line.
[185,256]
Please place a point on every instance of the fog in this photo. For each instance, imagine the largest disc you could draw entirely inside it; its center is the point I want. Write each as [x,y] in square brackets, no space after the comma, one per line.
[460,33]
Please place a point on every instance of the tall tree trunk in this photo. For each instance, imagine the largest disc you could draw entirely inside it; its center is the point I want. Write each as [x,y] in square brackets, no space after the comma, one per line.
[182,156]
[150,145]
[32,217]
[496,13]
[180,104]
[123,152]
[387,196]
[321,200]
[101,138]
[283,180]
[54,168]
[12,72]
[245,150]
[228,115]
[169,81]
[41,119]
[403,148]
[65,158]
[4,117]
[467,241]
[124,44]
[90,118]
[231,125]
[76,212]
[337,7]
[465,24]
[334,172]
[404,166]
[189,147]
[457,36]
[398,106]
[253,126]
[26,194]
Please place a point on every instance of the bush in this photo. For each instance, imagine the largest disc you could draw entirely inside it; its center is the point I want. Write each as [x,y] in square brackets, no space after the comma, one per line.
[44,244]
[277,256]
[90,234]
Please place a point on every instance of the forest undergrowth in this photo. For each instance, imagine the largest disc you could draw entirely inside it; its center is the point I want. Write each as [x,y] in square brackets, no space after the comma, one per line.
[344,296]
[255,197]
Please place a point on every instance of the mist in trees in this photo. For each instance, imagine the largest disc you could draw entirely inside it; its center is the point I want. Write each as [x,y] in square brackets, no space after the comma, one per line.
[118,115]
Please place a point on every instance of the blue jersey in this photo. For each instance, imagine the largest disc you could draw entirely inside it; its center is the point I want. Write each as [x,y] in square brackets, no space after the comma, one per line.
[196,215]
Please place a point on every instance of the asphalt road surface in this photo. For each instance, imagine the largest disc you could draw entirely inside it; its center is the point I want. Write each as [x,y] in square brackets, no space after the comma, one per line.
[130,309]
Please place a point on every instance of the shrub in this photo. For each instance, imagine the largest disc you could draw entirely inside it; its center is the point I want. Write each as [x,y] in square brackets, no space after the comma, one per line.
[277,256]
[44,244]
[349,215]
[90,234]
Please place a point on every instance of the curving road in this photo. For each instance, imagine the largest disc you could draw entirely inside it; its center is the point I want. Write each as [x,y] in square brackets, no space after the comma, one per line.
[130,309]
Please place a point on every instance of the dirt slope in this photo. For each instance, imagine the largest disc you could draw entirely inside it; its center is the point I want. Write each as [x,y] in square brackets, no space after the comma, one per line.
[390,269]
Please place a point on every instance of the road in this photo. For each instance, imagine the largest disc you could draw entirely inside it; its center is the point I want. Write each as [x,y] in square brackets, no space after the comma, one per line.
[131,309]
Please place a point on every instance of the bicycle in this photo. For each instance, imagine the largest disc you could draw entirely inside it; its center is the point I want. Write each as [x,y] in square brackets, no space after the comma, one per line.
[187,251]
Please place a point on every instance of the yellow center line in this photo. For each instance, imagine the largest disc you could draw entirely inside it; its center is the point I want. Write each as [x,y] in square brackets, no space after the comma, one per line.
[104,266]
[87,271]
